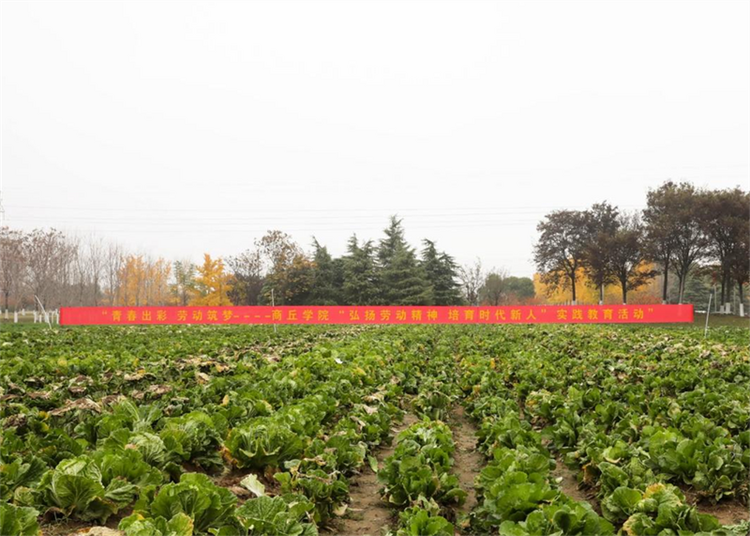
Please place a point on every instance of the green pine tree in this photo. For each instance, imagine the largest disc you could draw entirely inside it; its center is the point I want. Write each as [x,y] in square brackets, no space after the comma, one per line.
[328,278]
[442,274]
[360,281]
[394,240]
[404,280]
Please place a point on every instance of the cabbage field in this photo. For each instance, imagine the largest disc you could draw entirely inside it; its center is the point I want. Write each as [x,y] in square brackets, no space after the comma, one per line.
[432,430]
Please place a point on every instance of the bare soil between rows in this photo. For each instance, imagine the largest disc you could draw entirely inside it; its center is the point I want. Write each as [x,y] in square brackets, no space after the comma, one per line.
[468,461]
[368,514]
[728,511]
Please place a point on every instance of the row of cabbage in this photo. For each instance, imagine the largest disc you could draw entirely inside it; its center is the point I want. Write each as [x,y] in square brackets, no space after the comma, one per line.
[641,416]
[139,422]
[299,420]
[417,478]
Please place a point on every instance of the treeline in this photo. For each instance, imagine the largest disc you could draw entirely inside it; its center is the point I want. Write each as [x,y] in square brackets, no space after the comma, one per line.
[278,270]
[62,270]
[684,232]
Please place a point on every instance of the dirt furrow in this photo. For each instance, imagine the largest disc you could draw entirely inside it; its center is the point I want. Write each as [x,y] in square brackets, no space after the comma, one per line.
[569,486]
[467,459]
[728,511]
[367,513]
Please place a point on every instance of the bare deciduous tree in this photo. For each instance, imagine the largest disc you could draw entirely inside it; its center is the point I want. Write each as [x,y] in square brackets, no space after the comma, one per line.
[494,290]
[472,278]
[248,269]
[12,263]
[48,259]
[113,260]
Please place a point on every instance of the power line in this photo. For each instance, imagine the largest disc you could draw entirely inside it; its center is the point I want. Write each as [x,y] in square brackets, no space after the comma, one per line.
[295,210]
[261,220]
[376,227]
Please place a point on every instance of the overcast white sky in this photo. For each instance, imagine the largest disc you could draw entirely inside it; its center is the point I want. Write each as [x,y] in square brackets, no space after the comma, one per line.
[182,127]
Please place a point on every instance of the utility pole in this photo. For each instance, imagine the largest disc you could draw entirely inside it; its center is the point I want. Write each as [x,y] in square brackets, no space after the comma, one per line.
[708,311]
[44,312]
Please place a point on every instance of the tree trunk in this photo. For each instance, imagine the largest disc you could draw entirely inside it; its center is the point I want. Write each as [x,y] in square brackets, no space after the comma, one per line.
[573,287]
[624,285]
[680,287]
[664,297]
[7,293]
[601,293]
[728,294]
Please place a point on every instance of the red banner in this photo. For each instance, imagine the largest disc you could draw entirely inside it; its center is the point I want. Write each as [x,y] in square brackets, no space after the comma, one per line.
[340,314]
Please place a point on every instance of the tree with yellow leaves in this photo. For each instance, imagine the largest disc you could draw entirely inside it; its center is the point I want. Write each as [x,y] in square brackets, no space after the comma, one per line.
[142,281]
[131,275]
[157,282]
[213,283]
[646,292]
